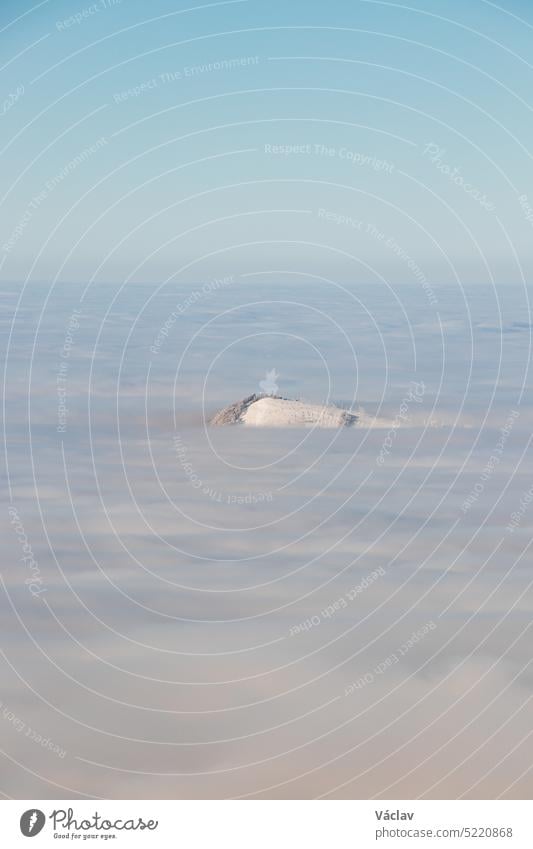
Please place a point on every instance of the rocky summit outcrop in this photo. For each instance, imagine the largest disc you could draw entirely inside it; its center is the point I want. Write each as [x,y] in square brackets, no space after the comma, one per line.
[275,411]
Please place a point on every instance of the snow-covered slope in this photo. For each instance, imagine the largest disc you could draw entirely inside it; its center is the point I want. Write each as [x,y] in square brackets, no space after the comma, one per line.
[272,411]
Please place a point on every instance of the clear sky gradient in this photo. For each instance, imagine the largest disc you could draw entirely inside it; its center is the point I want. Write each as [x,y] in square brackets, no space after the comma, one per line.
[146,140]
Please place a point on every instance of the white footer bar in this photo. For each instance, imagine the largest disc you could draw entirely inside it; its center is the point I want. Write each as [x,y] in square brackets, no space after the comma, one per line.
[268,824]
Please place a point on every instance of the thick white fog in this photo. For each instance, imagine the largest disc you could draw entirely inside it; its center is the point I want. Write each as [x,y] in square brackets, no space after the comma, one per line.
[256,612]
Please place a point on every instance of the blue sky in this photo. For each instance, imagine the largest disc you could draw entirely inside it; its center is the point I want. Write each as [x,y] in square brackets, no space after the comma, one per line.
[414,121]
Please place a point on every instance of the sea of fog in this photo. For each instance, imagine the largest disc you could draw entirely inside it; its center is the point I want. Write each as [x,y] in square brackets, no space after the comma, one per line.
[192,612]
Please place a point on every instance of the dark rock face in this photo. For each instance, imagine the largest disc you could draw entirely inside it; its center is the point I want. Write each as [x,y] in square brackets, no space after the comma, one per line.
[232,414]
[350,419]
